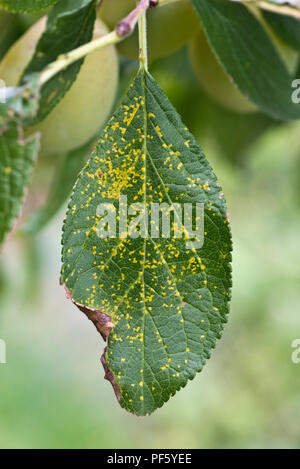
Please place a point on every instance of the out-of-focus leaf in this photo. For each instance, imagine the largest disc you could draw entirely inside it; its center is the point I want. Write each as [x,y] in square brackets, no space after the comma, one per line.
[64,179]
[17,156]
[247,54]
[70,24]
[285,27]
[17,159]
[165,301]
[10,30]
[26,6]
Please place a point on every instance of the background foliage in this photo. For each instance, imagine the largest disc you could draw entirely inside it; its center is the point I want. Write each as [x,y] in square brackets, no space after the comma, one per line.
[248,396]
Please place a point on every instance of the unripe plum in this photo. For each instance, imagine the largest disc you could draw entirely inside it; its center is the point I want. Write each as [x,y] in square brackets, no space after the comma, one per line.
[85,107]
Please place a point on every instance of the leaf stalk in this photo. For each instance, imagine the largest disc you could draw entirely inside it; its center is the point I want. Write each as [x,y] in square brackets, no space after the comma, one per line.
[143,53]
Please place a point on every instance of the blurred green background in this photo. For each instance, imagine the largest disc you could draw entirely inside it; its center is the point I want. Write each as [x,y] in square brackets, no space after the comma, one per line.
[52,392]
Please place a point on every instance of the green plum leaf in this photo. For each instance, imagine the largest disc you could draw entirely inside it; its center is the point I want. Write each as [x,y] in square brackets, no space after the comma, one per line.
[26,6]
[160,300]
[285,27]
[10,31]
[70,24]
[248,55]
[17,160]
[17,155]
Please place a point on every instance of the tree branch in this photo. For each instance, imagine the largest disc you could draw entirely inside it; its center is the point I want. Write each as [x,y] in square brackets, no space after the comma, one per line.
[123,29]
[127,25]
[65,60]
[281,9]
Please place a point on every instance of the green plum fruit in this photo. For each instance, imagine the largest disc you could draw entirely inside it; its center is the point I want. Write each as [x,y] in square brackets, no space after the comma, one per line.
[213,79]
[86,106]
